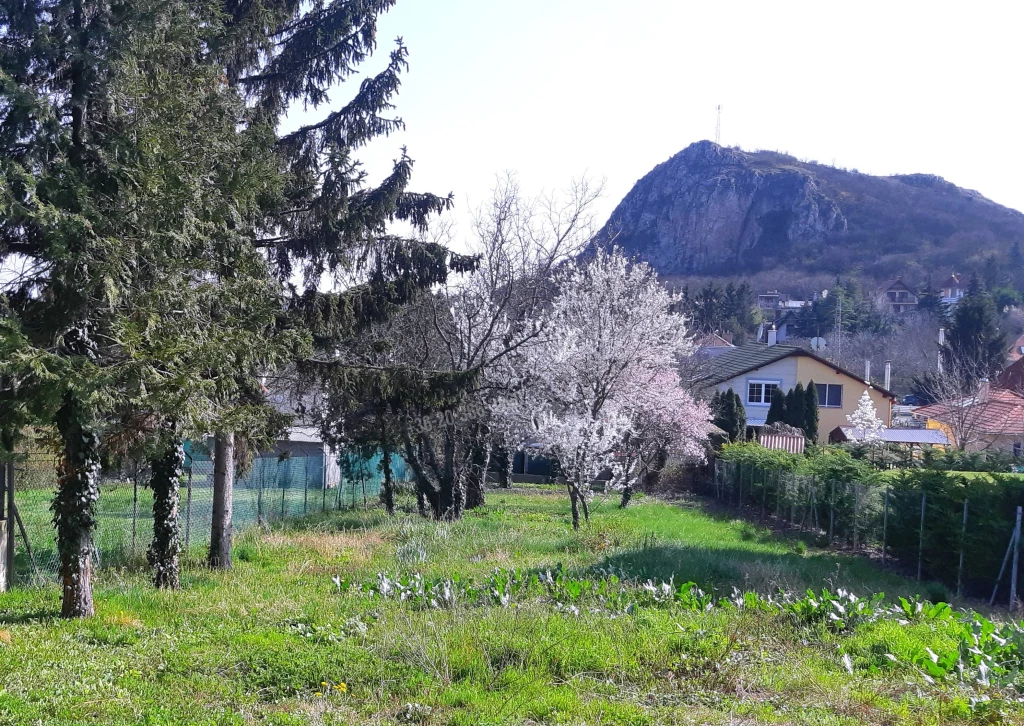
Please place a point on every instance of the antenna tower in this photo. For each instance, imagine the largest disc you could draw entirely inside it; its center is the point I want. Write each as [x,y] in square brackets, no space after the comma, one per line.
[718,126]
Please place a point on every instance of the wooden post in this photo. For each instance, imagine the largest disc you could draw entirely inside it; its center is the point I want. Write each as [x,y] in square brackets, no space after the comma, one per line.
[960,567]
[1016,553]
[135,505]
[885,524]
[920,541]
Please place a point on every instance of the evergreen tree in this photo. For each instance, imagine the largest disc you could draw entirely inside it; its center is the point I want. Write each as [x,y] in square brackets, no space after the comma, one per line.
[811,416]
[728,402]
[741,418]
[929,299]
[777,409]
[795,406]
[975,347]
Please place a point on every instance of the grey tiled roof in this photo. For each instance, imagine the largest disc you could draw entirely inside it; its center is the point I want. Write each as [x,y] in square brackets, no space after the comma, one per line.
[737,361]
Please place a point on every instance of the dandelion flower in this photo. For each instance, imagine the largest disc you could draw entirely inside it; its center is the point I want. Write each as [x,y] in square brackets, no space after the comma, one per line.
[343,687]
[318,693]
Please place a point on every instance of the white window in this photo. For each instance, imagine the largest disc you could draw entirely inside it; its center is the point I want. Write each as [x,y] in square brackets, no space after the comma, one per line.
[759,393]
[830,395]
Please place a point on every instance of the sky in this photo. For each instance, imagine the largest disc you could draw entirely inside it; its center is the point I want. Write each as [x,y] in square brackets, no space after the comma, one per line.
[555,89]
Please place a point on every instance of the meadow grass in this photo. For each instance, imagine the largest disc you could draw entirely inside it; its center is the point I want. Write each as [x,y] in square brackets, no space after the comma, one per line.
[292,636]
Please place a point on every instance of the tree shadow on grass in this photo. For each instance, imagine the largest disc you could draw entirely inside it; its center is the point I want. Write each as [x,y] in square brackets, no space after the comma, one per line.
[764,572]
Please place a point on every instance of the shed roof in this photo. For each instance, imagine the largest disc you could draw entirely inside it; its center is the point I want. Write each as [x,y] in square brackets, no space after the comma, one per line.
[897,436]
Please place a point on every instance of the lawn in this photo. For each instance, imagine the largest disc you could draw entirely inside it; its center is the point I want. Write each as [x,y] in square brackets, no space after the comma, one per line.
[356,618]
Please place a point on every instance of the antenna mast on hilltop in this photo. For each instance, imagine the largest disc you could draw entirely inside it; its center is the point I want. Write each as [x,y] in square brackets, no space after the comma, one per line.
[718,126]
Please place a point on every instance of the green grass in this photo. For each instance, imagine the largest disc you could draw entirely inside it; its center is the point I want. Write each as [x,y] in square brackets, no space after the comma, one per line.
[270,642]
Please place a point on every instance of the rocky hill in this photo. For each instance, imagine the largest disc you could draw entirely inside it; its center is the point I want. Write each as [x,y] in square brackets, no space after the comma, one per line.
[711,210]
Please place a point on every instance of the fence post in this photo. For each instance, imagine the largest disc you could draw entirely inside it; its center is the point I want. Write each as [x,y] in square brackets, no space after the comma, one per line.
[188,506]
[1016,553]
[920,541]
[885,524]
[831,513]
[960,567]
[279,481]
[856,515]
[135,504]
[305,486]
[1002,567]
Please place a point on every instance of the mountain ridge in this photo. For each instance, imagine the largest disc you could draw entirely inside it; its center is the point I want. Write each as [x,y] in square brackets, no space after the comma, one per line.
[718,211]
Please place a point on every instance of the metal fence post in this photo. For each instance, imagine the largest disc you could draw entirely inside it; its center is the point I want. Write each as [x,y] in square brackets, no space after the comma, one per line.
[831,513]
[1013,572]
[305,486]
[188,506]
[135,505]
[920,541]
[960,567]
[885,524]
[856,516]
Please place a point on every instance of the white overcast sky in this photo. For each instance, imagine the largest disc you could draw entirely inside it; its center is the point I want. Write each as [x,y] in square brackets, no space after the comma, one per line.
[556,88]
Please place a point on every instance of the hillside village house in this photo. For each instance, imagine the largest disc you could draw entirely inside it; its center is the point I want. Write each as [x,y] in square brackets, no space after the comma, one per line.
[755,371]
[953,289]
[899,297]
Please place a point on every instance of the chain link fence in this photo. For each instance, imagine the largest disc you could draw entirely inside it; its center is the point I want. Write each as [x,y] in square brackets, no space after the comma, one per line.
[276,486]
[946,527]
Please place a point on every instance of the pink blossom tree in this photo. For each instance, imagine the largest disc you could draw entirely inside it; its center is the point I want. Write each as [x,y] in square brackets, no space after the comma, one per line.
[603,394]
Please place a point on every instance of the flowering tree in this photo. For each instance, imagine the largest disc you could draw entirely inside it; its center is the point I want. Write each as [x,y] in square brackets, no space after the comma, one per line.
[603,394]
[866,420]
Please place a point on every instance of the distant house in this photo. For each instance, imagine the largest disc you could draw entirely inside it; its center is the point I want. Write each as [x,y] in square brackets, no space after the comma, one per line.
[774,300]
[1016,353]
[712,345]
[756,371]
[784,327]
[991,419]
[953,289]
[899,297]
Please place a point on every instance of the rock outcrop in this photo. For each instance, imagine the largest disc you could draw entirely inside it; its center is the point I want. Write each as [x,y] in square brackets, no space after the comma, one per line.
[719,211]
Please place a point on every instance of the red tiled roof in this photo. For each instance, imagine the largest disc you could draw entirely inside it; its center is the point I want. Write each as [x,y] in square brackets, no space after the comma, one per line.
[1001,411]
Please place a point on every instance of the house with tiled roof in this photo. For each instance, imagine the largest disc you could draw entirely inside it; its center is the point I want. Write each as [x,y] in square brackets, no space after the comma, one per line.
[756,371]
[992,418]
[953,289]
[898,296]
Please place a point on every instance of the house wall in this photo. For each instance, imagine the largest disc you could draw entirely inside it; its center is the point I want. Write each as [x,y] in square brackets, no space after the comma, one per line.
[789,371]
[812,370]
[783,372]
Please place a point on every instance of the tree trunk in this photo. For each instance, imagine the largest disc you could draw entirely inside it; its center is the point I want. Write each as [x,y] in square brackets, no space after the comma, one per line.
[583,505]
[223,495]
[165,550]
[452,484]
[74,506]
[476,477]
[387,489]
[504,463]
[627,495]
[574,500]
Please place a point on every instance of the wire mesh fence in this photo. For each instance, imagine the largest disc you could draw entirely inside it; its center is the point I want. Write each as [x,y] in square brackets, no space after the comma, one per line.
[274,488]
[943,527]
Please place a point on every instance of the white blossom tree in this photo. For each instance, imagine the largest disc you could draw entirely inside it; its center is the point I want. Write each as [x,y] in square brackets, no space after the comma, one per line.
[603,394]
[865,420]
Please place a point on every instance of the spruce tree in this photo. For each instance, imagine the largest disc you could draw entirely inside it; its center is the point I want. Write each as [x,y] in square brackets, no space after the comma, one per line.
[975,347]
[777,409]
[811,417]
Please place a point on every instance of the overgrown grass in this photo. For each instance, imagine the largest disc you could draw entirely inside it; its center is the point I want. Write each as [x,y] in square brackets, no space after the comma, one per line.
[294,634]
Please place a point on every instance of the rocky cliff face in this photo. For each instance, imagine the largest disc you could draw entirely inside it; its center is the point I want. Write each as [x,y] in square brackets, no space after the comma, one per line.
[718,211]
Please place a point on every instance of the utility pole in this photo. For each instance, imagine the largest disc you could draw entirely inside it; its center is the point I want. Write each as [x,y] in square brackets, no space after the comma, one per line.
[718,126]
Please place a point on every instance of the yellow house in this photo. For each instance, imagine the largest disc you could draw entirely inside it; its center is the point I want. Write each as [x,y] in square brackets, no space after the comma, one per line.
[756,370]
